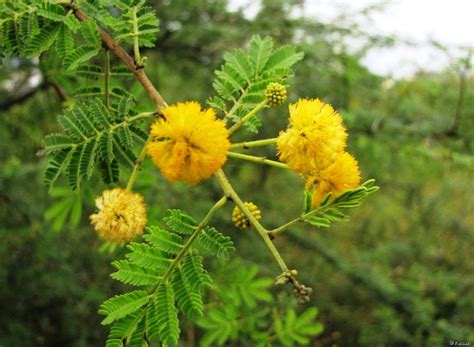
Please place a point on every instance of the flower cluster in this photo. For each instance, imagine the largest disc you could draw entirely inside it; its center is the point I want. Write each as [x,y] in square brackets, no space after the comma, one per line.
[314,144]
[189,144]
[275,94]
[240,220]
[121,216]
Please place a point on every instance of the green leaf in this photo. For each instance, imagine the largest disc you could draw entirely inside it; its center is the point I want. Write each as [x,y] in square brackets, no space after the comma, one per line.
[86,164]
[133,274]
[295,330]
[123,329]
[56,142]
[180,222]
[42,40]
[64,41]
[318,221]
[110,171]
[193,271]
[163,240]
[216,243]
[84,92]
[187,296]
[90,71]
[122,305]
[56,165]
[308,201]
[90,33]
[243,287]
[152,325]
[283,57]
[51,11]
[99,113]
[260,51]
[148,257]
[167,315]
[241,63]
[79,56]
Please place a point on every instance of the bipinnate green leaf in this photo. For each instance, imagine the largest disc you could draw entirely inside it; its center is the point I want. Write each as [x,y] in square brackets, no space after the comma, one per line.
[180,222]
[167,315]
[332,210]
[216,242]
[296,330]
[122,305]
[133,274]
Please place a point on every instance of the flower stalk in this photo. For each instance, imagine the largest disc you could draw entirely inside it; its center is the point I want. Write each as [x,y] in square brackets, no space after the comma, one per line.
[221,202]
[245,118]
[259,160]
[257,143]
[232,194]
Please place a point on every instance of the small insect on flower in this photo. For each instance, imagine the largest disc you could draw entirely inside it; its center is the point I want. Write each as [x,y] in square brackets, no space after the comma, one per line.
[240,220]
[189,144]
[121,216]
[343,174]
[275,94]
[315,137]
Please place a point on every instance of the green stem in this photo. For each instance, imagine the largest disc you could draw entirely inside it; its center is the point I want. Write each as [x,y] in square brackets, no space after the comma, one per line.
[107,78]
[245,118]
[285,226]
[139,116]
[136,47]
[258,143]
[260,160]
[301,218]
[138,164]
[221,202]
[231,193]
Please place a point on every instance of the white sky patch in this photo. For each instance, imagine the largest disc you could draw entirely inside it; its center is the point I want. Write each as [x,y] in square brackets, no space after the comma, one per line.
[417,21]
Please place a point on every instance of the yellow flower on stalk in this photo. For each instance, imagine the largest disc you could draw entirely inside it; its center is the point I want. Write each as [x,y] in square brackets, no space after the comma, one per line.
[343,174]
[189,144]
[315,137]
[121,216]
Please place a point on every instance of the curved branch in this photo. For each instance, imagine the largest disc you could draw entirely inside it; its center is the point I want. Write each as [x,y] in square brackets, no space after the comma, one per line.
[138,71]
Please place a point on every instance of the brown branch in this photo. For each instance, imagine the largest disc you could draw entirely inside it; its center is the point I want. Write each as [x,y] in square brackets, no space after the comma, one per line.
[139,73]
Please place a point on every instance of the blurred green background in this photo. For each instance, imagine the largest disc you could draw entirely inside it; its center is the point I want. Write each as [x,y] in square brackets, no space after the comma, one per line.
[399,273]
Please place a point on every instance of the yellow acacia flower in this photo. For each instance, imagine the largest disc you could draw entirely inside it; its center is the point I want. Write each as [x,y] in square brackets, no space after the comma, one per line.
[343,174]
[121,216]
[315,137]
[189,144]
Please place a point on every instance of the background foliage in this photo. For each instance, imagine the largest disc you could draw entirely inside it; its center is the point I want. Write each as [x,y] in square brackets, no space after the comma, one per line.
[400,273]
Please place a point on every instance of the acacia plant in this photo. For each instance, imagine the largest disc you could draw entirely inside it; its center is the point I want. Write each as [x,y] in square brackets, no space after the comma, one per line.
[188,142]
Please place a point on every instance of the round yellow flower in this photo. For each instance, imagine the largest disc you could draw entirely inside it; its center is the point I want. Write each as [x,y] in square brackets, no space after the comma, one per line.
[239,218]
[121,216]
[315,137]
[343,174]
[189,144]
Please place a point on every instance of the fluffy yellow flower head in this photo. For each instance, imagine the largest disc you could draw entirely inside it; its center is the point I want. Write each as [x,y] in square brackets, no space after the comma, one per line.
[121,216]
[315,137]
[189,144]
[343,174]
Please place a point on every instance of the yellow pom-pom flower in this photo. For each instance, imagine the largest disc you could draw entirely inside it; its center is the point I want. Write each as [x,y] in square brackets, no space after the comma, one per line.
[315,137]
[121,216]
[275,94]
[240,220]
[343,174]
[189,144]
